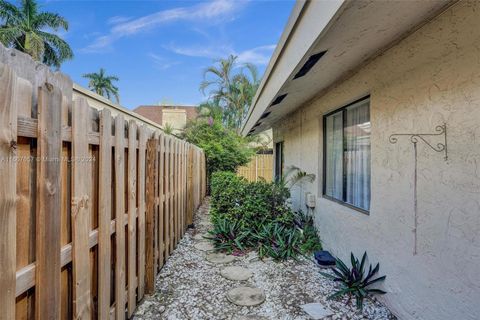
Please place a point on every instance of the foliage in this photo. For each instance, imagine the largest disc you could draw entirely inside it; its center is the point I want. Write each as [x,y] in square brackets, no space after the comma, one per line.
[255,215]
[232,88]
[168,128]
[225,150]
[102,84]
[354,281]
[23,28]
[295,176]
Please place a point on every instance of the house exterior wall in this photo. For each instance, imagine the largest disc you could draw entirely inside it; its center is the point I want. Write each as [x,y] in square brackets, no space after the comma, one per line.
[428,78]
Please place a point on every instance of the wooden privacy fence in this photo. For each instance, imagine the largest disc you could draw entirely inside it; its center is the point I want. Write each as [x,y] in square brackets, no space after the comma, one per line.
[91,206]
[261,166]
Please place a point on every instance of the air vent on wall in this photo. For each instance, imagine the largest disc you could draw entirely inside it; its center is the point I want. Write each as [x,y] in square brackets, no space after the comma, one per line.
[266,114]
[309,64]
[279,99]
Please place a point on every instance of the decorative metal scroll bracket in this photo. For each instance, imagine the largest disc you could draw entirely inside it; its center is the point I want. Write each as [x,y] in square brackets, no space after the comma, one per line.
[440,130]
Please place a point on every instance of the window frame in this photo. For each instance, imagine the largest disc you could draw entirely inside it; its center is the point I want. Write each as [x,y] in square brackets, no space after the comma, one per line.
[342,109]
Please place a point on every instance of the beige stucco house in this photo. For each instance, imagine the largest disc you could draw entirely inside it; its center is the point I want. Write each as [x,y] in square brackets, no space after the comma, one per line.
[381,101]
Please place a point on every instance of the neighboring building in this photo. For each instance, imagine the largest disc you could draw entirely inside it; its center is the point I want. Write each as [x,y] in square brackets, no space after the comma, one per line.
[175,116]
[345,78]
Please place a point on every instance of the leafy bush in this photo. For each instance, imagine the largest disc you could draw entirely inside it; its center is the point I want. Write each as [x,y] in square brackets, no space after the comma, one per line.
[255,215]
[250,204]
[354,281]
[225,150]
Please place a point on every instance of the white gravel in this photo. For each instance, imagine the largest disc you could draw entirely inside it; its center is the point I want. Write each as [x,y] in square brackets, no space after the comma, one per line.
[190,287]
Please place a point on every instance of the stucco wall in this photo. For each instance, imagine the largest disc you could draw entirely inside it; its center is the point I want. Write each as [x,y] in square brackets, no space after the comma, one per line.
[431,77]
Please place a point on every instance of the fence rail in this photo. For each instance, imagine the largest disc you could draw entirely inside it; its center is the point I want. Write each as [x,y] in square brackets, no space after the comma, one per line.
[261,166]
[91,205]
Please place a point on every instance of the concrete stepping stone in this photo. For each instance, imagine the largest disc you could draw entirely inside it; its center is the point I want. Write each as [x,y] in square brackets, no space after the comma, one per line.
[236,273]
[204,246]
[246,296]
[200,236]
[219,258]
[316,311]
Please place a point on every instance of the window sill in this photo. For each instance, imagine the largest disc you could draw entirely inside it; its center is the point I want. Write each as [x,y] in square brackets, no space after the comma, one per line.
[366,212]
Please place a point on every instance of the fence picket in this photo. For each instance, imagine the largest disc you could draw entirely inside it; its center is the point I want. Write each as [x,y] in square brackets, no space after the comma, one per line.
[80,210]
[119,217]
[141,211]
[47,289]
[105,214]
[149,218]
[8,171]
[132,219]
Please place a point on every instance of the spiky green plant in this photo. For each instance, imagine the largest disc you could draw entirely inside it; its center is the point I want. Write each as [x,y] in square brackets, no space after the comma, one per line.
[354,282]
[24,28]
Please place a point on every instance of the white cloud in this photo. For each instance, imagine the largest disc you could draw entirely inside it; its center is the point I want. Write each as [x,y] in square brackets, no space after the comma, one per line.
[162,63]
[118,19]
[216,11]
[258,55]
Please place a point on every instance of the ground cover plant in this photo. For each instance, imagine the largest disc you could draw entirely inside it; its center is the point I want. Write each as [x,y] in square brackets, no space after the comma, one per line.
[256,216]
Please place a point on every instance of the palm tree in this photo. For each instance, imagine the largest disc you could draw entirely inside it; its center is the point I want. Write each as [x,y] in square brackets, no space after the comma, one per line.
[233,88]
[102,84]
[23,28]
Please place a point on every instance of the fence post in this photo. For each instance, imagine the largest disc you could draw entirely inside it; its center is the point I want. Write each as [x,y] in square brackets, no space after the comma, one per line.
[149,218]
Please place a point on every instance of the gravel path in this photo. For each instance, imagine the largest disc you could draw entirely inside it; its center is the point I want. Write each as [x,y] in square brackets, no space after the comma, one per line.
[189,287]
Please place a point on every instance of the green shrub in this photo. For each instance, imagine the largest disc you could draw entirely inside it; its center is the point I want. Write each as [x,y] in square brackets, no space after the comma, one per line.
[255,215]
[224,148]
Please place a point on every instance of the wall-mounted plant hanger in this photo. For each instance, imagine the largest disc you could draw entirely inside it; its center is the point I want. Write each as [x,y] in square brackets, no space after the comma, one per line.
[441,147]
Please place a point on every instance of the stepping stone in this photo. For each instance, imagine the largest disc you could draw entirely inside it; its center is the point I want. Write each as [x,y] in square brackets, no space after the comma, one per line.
[204,246]
[250,317]
[236,273]
[246,296]
[200,236]
[316,311]
[219,258]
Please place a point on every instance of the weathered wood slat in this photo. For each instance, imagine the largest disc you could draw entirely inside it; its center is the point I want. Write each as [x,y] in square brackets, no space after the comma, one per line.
[141,211]
[161,205]
[120,297]
[104,214]
[132,223]
[149,218]
[25,198]
[81,210]
[167,198]
[49,144]
[171,194]
[8,172]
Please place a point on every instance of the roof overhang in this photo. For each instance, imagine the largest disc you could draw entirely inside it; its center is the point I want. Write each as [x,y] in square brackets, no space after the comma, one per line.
[349,33]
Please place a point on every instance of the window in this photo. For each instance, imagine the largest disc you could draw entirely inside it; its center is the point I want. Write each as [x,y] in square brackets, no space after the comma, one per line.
[347,155]
[278,160]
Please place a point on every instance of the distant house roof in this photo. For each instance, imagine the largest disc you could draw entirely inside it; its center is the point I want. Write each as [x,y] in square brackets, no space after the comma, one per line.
[155,112]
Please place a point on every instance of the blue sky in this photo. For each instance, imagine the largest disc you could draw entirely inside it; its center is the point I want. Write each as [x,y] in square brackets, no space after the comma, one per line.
[159,49]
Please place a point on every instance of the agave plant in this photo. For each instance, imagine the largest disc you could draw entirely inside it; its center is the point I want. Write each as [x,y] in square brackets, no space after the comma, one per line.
[354,281]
